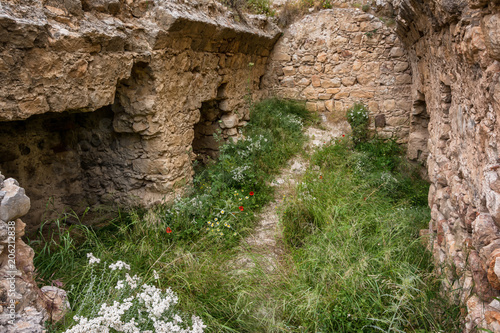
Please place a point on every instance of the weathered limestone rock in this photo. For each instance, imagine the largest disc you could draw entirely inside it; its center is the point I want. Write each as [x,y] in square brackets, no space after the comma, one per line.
[101,100]
[57,300]
[14,203]
[23,306]
[453,50]
[341,56]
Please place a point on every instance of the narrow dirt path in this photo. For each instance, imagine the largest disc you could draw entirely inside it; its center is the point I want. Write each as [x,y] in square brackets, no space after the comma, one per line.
[264,248]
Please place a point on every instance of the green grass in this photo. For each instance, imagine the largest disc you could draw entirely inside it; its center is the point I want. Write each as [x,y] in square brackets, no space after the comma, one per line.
[193,259]
[353,232]
[353,261]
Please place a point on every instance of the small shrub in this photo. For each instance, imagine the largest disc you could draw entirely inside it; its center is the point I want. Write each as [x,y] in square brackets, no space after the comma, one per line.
[366,8]
[357,116]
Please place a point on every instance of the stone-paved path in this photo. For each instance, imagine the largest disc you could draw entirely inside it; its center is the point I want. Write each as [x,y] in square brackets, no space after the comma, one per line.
[263,249]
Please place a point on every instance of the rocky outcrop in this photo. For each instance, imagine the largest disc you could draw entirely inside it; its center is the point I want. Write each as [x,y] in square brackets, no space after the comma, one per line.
[23,307]
[335,58]
[453,48]
[106,102]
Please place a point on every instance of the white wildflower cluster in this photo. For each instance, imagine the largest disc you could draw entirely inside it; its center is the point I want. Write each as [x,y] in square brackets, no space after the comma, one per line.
[358,114]
[195,202]
[183,204]
[92,259]
[252,145]
[360,167]
[290,118]
[238,173]
[156,302]
[132,281]
[119,265]
[180,204]
[134,308]
[120,284]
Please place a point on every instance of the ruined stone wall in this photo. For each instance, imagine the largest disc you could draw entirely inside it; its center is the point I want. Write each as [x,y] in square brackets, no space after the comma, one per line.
[454,51]
[335,58]
[101,100]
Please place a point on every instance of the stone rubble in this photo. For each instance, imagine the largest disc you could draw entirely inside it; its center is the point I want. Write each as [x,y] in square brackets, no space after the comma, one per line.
[21,301]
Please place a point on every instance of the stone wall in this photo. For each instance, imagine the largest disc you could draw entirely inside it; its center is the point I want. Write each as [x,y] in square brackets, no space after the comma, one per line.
[334,58]
[23,306]
[101,100]
[454,51]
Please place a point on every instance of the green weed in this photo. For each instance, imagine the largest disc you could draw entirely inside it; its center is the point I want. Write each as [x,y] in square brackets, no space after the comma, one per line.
[357,117]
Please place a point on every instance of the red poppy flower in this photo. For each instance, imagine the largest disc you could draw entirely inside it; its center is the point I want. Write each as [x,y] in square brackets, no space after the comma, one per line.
[241,208]
[251,192]
[169,230]
[343,135]
[320,177]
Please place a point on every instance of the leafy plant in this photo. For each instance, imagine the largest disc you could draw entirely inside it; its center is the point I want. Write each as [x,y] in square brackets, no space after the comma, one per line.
[358,118]
[366,8]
